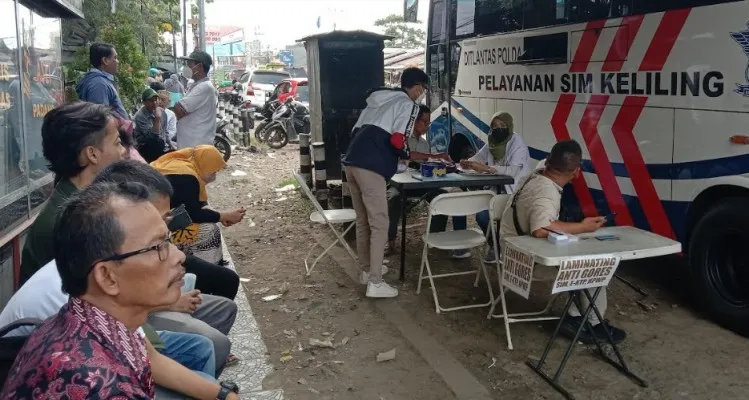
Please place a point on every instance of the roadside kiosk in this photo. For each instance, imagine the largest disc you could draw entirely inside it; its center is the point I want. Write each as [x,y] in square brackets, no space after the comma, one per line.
[342,67]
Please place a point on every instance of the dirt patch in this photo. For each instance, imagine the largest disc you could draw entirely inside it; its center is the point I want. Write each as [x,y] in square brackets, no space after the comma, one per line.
[680,354]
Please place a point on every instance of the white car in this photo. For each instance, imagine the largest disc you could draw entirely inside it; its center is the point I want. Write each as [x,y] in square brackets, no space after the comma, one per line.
[258,85]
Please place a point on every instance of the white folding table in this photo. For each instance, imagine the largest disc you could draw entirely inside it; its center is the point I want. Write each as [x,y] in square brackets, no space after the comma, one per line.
[631,244]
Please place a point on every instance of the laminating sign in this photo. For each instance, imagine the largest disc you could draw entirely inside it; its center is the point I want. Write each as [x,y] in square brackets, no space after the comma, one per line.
[517,270]
[585,272]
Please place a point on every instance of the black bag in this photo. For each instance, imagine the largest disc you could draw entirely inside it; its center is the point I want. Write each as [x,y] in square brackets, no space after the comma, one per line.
[11,346]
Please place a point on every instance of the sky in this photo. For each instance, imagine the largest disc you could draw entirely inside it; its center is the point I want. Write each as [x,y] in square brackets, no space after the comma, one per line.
[282,22]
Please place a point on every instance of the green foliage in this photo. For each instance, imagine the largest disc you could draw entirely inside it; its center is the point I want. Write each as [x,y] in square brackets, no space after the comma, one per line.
[405,35]
[118,30]
[135,30]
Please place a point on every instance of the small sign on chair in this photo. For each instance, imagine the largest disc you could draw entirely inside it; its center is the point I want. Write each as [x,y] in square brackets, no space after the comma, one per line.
[585,272]
[517,270]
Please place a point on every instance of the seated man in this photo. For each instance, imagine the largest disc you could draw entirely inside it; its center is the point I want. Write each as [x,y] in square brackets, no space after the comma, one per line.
[534,208]
[117,264]
[209,316]
[420,151]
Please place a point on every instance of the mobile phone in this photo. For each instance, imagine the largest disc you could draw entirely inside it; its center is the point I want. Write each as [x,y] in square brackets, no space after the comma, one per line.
[610,217]
[607,237]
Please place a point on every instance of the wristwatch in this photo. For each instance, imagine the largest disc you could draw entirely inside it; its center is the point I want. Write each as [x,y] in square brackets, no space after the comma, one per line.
[226,388]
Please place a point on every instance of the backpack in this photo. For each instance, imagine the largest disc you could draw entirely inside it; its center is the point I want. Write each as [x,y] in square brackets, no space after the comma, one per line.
[11,346]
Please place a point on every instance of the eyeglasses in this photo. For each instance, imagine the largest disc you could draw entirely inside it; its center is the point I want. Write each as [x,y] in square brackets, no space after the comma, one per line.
[162,248]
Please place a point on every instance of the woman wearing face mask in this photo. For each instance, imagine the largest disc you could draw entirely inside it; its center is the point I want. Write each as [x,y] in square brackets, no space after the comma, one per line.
[505,153]
[189,171]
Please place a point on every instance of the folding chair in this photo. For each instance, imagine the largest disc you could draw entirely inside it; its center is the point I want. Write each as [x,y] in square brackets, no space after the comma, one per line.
[455,205]
[496,208]
[330,218]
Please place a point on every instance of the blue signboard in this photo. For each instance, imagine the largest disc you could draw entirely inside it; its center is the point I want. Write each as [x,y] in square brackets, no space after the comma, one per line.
[286,57]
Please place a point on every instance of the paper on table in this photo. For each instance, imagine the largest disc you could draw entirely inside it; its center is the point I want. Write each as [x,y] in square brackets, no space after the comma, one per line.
[472,172]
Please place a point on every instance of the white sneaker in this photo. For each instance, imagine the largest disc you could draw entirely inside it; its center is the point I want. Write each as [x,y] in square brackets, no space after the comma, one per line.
[381,290]
[364,276]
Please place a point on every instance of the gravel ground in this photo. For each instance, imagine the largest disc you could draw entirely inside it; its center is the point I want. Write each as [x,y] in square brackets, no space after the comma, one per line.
[680,354]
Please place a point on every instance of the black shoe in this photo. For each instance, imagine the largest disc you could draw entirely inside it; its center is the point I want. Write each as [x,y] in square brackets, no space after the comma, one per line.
[617,335]
[569,328]
[222,262]
[572,323]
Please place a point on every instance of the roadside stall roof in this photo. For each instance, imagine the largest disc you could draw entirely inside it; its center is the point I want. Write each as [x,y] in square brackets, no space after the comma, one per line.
[353,35]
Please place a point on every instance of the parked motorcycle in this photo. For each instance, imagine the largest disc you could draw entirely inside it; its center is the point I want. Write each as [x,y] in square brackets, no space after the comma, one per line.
[222,140]
[289,120]
[267,111]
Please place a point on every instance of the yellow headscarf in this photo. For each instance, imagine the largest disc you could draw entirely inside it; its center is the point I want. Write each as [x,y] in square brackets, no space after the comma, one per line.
[197,161]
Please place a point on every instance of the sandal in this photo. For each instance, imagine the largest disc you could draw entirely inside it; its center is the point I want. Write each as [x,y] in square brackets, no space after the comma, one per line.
[232,360]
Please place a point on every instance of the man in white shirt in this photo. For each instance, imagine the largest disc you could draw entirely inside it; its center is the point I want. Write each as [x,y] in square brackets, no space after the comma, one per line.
[196,112]
[171,118]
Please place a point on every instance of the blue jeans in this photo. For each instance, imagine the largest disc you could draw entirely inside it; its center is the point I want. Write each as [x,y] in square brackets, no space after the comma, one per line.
[482,218]
[194,352]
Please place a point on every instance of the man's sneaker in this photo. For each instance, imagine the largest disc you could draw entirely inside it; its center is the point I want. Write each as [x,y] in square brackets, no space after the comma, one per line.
[460,254]
[364,275]
[381,290]
[490,258]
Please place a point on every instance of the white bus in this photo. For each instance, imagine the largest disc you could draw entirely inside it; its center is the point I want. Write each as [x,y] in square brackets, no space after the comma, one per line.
[655,91]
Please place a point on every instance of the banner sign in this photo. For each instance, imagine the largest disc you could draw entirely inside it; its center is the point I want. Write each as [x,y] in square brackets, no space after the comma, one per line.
[517,270]
[585,272]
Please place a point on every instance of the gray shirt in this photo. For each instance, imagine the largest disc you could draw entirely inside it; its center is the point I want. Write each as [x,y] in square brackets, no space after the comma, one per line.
[199,125]
[419,145]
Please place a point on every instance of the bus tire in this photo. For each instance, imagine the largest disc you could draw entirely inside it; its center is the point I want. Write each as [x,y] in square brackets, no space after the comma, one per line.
[719,263]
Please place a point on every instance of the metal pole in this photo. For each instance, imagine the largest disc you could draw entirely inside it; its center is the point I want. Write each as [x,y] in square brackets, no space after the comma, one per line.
[174,38]
[184,27]
[201,13]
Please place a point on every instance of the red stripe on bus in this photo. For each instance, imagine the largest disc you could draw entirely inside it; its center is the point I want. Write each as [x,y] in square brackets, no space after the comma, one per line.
[599,158]
[579,63]
[559,126]
[623,130]
[622,43]
[664,39]
[587,45]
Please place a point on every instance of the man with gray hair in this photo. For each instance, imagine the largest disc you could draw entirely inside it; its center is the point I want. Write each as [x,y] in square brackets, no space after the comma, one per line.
[534,210]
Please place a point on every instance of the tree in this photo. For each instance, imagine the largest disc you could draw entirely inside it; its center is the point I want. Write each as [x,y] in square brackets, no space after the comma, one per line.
[135,30]
[405,35]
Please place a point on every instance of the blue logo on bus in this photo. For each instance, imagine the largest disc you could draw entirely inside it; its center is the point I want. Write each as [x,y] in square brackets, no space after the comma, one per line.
[742,38]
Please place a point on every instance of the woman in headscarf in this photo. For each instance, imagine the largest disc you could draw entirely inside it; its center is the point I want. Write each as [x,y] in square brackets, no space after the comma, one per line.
[189,171]
[175,89]
[505,153]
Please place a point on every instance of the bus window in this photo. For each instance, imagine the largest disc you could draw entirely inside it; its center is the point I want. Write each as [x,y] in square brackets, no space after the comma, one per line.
[437,31]
[543,13]
[497,16]
[454,64]
[648,6]
[438,76]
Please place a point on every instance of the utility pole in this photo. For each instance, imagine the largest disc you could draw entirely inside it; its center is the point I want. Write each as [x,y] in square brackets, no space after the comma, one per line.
[201,16]
[174,38]
[184,27]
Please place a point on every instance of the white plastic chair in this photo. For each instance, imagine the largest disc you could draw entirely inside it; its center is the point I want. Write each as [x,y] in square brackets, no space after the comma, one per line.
[496,208]
[454,205]
[330,218]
